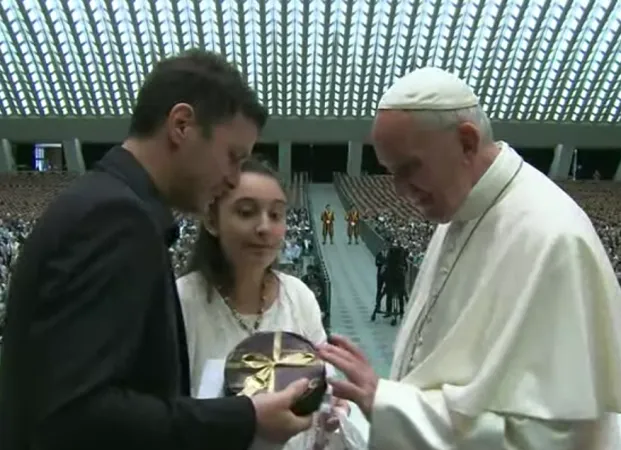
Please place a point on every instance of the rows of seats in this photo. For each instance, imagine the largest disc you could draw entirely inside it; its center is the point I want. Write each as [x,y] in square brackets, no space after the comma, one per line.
[396,219]
[393,218]
[295,192]
[375,195]
[25,194]
[600,199]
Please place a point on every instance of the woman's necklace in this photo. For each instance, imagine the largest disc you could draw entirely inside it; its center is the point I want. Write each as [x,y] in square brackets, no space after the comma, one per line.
[240,319]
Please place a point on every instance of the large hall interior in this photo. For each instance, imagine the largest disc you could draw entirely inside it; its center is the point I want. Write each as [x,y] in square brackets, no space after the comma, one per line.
[547,73]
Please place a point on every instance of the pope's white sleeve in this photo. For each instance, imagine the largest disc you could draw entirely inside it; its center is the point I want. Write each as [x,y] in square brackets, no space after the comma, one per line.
[523,433]
[405,418]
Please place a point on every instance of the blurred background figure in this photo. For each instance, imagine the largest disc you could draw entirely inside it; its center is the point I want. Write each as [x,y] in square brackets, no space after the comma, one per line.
[327,220]
[353,225]
[396,263]
[380,283]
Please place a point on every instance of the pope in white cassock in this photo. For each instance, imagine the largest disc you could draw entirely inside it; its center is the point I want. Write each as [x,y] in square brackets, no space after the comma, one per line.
[512,339]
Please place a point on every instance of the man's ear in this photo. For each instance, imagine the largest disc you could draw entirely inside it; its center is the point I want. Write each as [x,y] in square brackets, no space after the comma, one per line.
[470,138]
[178,122]
[209,223]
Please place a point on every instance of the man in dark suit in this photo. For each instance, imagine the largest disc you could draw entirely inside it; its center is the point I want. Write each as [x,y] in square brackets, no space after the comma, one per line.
[94,353]
[380,266]
[396,265]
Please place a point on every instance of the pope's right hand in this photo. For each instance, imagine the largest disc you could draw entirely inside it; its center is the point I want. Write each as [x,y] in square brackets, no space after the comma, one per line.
[275,420]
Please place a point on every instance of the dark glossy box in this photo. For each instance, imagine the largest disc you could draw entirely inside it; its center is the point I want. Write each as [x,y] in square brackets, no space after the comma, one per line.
[269,362]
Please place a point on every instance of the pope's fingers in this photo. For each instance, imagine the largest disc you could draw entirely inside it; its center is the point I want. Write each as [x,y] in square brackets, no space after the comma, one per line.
[347,344]
[341,360]
[346,390]
[342,353]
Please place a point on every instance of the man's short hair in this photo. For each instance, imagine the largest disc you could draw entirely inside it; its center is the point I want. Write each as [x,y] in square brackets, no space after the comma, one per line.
[204,80]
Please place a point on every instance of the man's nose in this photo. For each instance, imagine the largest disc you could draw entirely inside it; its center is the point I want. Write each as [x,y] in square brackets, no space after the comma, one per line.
[232,179]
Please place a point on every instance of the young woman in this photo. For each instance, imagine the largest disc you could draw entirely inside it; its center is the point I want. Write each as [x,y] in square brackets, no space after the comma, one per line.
[232,289]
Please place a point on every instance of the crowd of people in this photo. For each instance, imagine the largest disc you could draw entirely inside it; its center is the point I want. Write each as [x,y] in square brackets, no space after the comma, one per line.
[298,241]
[599,200]
[296,255]
[412,235]
[610,234]
[13,231]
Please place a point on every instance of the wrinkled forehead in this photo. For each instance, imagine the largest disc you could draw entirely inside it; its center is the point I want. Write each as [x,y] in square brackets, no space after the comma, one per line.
[400,137]
[392,135]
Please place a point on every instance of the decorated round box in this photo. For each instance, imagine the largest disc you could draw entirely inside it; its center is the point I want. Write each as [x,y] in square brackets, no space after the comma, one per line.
[269,362]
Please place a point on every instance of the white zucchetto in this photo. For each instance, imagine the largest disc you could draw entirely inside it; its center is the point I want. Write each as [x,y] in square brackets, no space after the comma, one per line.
[428,89]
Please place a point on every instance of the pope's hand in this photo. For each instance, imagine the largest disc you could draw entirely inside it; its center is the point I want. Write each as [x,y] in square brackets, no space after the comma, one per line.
[275,421]
[361,382]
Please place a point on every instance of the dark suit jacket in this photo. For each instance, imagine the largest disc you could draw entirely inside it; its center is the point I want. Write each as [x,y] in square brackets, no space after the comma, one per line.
[380,262]
[94,353]
[396,262]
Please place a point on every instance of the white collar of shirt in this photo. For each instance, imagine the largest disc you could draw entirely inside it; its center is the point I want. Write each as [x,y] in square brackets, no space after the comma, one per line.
[490,185]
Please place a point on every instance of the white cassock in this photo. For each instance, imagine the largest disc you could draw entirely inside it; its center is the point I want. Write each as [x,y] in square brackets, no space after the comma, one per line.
[512,339]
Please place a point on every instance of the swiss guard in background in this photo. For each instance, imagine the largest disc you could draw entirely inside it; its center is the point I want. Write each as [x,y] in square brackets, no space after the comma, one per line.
[353,225]
[327,219]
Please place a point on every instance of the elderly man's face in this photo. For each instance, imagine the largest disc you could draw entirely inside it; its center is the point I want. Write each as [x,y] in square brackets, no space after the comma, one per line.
[431,167]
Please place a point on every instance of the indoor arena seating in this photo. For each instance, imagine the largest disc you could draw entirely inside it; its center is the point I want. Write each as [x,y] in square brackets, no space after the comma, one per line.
[295,194]
[316,274]
[391,218]
[601,200]
[374,194]
[24,195]
[387,217]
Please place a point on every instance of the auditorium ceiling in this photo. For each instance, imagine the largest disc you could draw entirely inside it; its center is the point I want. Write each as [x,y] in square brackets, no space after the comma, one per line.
[543,60]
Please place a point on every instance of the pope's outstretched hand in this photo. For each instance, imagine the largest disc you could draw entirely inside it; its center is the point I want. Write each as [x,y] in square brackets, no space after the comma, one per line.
[361,382]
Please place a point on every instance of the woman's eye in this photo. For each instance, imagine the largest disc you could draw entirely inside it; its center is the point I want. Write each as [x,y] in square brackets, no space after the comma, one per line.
[277,216]
[245,212]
